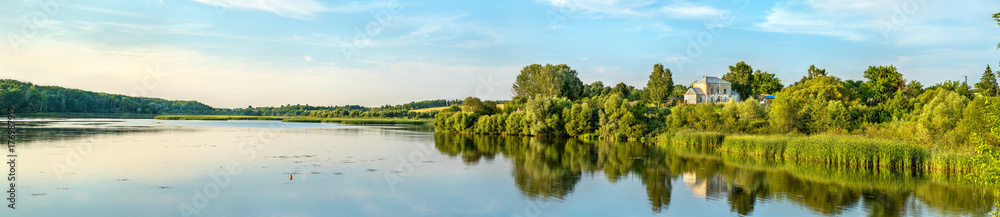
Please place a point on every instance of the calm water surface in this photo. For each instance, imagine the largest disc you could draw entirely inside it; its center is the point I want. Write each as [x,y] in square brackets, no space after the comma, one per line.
[104,167]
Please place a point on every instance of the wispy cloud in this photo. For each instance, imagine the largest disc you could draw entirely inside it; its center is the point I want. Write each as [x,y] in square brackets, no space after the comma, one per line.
[922,23]
[686,10]
[299,9]
[640,8]
[108,11]
[444,29]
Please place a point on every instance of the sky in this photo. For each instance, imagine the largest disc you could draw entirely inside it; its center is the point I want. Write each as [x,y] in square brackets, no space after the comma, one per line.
[236,53]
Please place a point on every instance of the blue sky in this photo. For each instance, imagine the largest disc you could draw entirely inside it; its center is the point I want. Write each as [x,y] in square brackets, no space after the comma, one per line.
[234,53]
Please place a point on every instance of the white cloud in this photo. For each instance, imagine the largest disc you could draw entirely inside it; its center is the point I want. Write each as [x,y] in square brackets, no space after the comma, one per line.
[685,10]
[307,58]
[911,22]
[444,30]
[108,11]
[638,8]
[844,20]
[299,9]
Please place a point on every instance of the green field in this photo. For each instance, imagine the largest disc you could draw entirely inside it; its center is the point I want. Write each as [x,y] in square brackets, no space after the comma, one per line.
[430,109]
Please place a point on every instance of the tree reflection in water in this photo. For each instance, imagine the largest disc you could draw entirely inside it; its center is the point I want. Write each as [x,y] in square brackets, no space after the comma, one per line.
[548,168]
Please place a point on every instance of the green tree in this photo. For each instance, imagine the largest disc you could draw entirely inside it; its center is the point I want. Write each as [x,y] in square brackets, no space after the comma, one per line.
[548,81]
[679,90]
[784,114]
[623,89]
[914,88]
[942,113]
[811,73]
[825,88]
[766,83]
[490,107]
[660,85]
[961,88]
[883,82]
[474,105]
[987,85]
[815,72]
[741,76]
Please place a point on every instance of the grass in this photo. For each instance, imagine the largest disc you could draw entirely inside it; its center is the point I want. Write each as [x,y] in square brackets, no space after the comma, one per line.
[698,138]
[218,117]
[359,121]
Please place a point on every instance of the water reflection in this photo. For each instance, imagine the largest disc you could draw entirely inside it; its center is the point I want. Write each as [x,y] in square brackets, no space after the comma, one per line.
[549,169]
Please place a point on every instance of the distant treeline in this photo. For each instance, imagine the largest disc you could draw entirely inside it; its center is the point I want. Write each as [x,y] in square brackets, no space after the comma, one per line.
[29,98]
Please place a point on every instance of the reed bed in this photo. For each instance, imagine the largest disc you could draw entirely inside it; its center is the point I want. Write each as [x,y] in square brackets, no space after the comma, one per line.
[951,163]
[765,146]
[699,138]
[856,150]
[849,150]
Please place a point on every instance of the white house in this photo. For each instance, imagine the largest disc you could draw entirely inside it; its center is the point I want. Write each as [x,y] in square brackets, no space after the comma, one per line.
[710,89]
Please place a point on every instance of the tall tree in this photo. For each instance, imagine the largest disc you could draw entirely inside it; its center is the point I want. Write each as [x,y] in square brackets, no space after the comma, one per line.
[996,17]
[473,104]
[883,82]
[766,83]
[741,76]
[816,72]
[988,83]
[660,85]
[812,72]
[623,89]
[548,81]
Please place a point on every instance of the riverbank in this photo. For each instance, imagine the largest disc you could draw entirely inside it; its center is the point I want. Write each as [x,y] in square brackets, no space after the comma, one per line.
[355,121]
[219,117]
[359,121]
[86,115]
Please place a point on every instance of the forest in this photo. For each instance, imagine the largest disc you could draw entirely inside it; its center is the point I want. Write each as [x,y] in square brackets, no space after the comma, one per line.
[31,98]
[891,121]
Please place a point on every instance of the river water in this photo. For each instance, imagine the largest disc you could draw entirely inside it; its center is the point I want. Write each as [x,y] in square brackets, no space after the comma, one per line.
[114,167]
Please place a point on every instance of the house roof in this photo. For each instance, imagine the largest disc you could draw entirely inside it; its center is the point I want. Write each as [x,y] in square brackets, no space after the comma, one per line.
[694,91]
[710,79]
